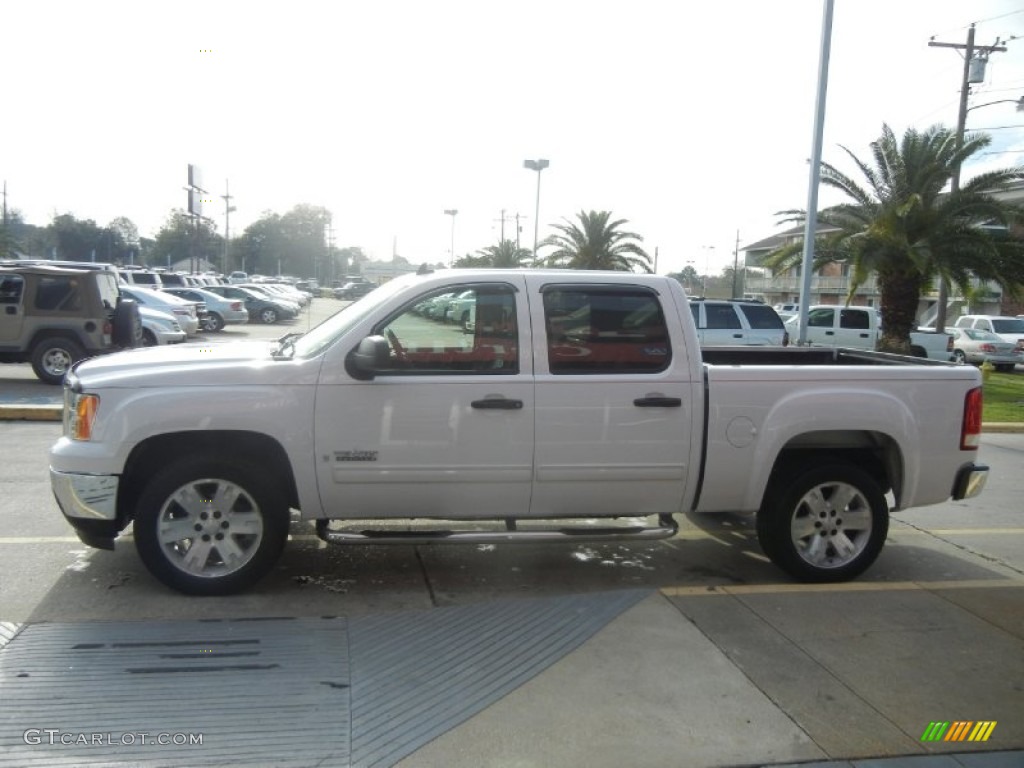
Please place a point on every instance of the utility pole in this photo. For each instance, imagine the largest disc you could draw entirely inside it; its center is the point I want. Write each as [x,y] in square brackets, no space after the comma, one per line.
[227,197]
[519,228]
[972,54]
[735,264]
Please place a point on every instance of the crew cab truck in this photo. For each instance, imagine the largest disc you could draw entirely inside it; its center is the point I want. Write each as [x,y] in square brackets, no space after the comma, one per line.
[860,328]
[578,395]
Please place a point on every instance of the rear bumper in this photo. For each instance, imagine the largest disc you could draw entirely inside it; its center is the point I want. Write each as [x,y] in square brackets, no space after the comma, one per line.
[970,481]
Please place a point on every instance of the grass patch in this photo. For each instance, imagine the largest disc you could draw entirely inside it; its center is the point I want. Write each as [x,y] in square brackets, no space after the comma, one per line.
[1004,397]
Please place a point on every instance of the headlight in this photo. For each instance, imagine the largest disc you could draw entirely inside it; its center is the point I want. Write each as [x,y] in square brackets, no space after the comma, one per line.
[80,414]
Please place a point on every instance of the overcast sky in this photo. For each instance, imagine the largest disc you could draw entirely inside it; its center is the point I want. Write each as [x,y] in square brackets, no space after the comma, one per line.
[692,121]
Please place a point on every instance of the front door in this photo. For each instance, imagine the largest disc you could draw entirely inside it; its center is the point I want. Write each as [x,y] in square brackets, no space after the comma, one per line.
[446,430]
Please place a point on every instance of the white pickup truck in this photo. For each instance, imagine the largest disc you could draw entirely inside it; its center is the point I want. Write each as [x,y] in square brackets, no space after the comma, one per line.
[577,395]
[830,325]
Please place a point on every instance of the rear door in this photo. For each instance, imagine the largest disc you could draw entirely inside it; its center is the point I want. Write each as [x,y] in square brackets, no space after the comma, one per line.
[613,397]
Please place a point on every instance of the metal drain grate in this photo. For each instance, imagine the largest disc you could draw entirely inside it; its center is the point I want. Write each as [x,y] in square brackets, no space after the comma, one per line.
[367,691]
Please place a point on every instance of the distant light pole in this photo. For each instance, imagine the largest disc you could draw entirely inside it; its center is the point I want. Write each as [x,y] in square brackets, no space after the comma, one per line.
[707,266]
[227,197]
[452,212]
[538,166]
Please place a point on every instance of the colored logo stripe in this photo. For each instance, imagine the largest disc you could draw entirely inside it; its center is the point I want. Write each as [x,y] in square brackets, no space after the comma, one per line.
[959,730]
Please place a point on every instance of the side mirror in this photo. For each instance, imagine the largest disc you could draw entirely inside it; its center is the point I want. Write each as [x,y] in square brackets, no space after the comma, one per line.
[369,358]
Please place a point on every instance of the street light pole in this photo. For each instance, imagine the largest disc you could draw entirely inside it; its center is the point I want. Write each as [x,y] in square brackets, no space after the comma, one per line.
[227,197]
[452,212]
[538,166]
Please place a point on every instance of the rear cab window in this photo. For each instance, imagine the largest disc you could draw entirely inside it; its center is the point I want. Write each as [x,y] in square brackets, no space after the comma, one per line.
[595,329]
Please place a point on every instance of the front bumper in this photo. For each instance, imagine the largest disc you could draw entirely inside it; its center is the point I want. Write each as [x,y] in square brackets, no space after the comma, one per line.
[89,504]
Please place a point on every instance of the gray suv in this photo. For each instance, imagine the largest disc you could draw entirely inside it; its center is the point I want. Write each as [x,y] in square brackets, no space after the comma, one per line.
[732,322]
[52,317]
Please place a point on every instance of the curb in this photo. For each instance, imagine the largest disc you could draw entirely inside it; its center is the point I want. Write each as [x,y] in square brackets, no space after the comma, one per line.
[31,412]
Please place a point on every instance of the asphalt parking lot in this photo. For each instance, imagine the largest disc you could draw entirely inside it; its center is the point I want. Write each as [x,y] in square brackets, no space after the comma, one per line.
[689,652]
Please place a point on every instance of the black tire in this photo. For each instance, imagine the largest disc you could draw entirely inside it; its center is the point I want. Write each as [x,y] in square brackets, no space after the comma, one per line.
[214,322]
[268,315]
[959,357]
[812,538]
[127,324]
[53,357]
[148,338]
[188,508]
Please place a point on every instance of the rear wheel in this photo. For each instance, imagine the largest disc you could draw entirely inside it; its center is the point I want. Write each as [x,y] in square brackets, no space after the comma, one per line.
[214,322]
[53,357]
[205,526]
[824,523]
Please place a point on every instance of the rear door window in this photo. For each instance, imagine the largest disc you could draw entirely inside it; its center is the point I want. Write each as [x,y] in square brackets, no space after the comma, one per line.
[605,329]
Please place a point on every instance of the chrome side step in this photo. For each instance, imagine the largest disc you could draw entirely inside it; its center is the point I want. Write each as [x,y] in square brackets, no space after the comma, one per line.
[666,528]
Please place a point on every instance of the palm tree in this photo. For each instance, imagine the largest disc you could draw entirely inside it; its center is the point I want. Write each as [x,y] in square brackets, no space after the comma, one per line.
[596,244]
[903,228]
[504,255]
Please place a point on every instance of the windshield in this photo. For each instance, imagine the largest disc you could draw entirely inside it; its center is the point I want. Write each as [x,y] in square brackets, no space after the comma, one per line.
[325,334]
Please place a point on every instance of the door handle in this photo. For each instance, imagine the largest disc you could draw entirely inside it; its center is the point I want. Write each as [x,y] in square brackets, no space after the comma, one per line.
[11,310]
[497,404]
[658,402]
[830,333]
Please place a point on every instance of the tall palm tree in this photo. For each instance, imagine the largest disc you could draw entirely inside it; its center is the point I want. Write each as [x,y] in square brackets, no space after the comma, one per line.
[903,228]
[504,255]
[596,243]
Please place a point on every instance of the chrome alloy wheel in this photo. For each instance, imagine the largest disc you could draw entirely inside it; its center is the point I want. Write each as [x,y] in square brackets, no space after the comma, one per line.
[210,527]
[831,525]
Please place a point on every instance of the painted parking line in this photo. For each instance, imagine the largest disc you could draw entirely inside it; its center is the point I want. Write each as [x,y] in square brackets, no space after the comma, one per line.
[846,586]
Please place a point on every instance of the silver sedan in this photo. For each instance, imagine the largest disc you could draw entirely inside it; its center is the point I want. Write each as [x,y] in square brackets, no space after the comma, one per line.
[972,345]
[220,311]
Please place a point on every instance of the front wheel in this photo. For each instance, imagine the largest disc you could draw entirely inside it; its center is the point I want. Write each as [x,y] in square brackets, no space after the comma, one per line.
[959,357]
[825,523]
[268,315]
[205,526]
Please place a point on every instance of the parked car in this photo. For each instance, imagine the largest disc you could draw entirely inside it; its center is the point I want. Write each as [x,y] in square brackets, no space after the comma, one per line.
[1009,329]
[142,277]
[353,290]
[185,312]
[286,291]
[272,295]
[831,325]
[737,322]
[54,316]
[973,345]
[238,277]
[259,307]
[578,395]
[219,310]
[159,328]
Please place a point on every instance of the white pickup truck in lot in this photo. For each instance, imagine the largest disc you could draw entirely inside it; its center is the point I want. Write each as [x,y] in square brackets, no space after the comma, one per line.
[830,325]
[578,396]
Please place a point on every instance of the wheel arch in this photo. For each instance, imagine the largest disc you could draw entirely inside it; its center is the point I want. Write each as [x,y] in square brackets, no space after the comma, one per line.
[237,445]
[876,453]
